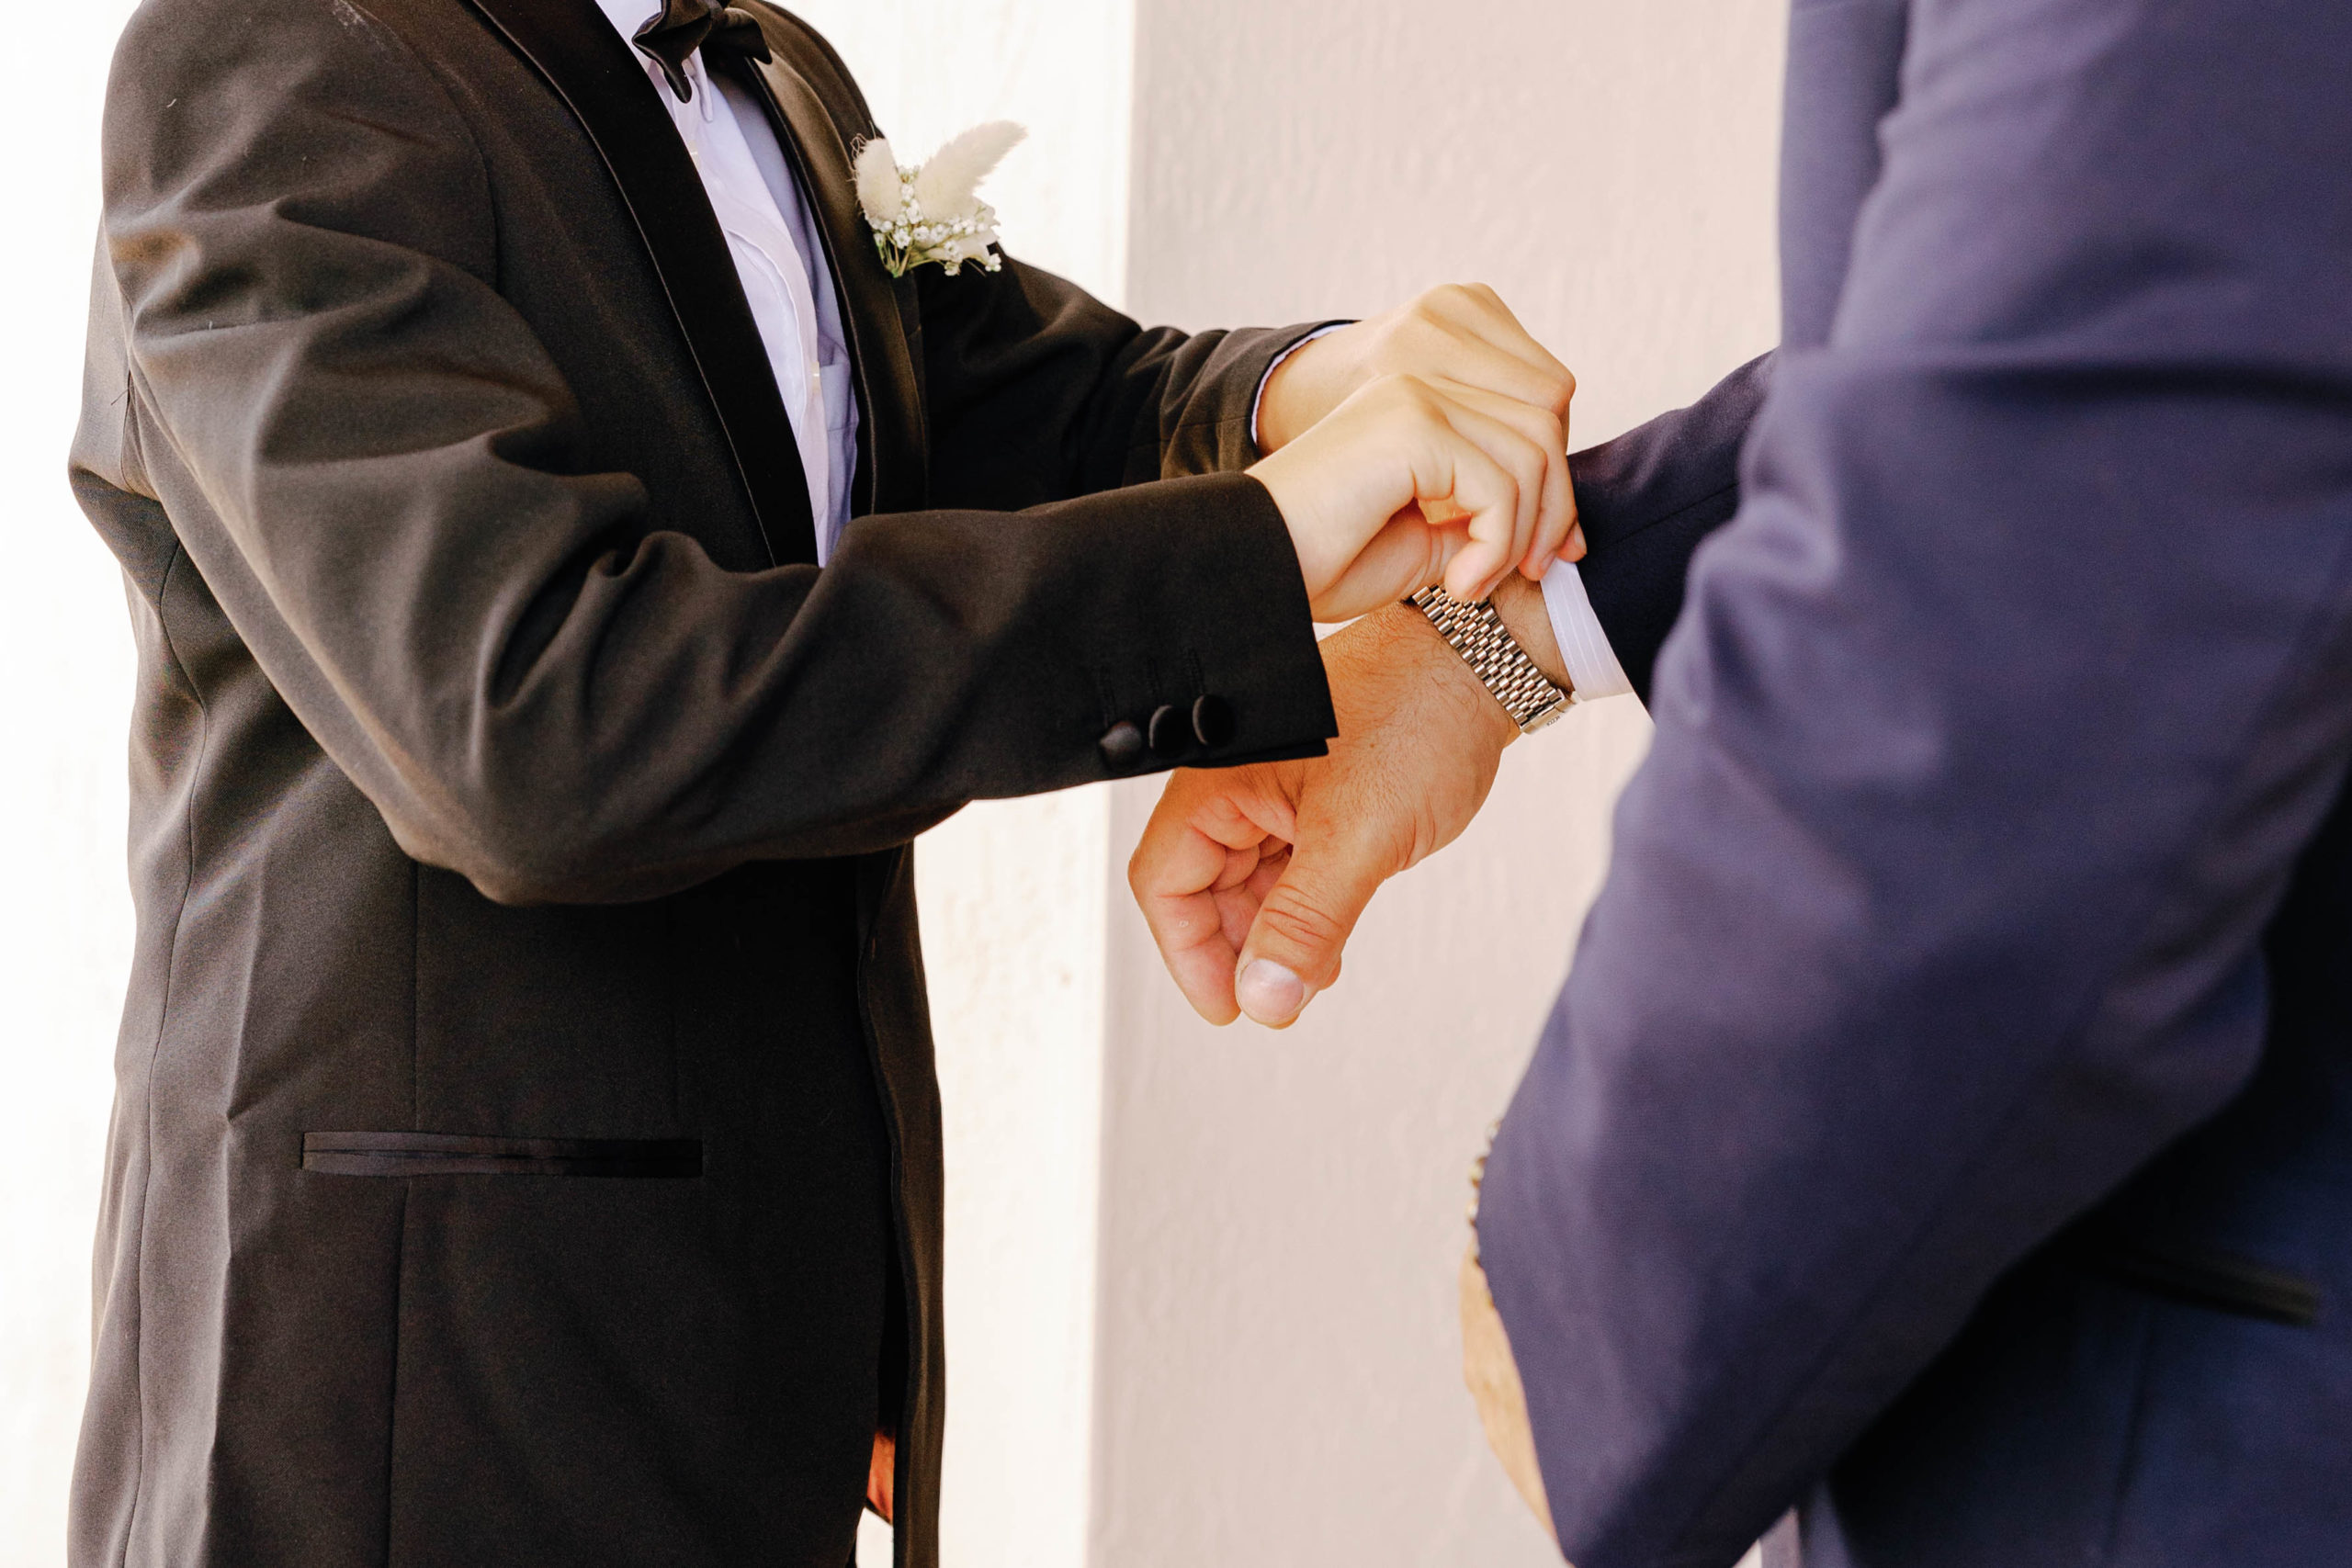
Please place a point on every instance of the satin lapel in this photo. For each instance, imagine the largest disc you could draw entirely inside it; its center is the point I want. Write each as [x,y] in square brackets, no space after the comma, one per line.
[878,310]
[598,76]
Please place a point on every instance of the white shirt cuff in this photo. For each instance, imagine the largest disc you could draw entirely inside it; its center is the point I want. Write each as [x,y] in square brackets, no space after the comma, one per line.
[1592,664]
[1258,400]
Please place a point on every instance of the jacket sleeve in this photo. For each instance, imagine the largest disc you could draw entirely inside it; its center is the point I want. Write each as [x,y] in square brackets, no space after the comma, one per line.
[380,475]
[1647,500]
[1986,746]
[1037,391]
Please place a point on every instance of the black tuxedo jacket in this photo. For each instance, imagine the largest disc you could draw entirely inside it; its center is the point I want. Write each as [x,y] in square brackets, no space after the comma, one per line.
[526,1144]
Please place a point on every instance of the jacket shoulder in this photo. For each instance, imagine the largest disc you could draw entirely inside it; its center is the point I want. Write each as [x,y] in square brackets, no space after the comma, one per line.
[811,54]
[165,34]
[322,110]
[227,63]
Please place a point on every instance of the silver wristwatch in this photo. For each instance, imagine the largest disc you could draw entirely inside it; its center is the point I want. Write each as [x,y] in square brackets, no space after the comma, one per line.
[1476,632]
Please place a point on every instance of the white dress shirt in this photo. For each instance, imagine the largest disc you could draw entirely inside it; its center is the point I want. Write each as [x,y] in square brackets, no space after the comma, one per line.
[774,239]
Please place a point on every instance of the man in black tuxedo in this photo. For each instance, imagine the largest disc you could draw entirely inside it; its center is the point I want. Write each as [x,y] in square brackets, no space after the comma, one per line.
[527,1144]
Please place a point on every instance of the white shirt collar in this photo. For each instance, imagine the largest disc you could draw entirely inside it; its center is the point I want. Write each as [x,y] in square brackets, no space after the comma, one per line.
[628,15]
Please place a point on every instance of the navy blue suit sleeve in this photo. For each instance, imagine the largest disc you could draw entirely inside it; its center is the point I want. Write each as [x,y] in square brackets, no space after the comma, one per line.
[1986,744]
[1646,500]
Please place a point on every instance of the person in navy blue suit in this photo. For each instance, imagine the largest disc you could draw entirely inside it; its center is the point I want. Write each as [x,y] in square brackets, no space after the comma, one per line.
[1946,1131]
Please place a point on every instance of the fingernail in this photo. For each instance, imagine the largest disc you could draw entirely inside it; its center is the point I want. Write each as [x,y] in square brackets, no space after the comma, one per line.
[1268,992]
[1574,548]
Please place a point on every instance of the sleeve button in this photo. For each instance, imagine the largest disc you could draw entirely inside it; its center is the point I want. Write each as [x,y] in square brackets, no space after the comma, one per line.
[1170,735]
[1122,746]
[1213,720]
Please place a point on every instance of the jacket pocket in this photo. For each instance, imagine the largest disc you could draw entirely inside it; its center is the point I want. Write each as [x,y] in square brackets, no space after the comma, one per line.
[450,1153]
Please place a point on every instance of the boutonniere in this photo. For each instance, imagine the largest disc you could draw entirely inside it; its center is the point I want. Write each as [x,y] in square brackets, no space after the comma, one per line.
[932,212]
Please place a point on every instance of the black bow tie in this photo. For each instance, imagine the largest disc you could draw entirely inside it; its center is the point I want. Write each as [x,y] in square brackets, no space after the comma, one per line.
[686,26]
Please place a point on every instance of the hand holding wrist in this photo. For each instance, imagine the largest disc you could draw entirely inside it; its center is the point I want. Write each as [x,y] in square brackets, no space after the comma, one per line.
[1410,482]
[1459,332]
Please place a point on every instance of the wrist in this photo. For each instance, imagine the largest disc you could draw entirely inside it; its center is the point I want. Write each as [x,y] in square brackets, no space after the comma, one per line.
[1519,604]
[1529,696]
[1295,497]
[1449,679]
[1299,390]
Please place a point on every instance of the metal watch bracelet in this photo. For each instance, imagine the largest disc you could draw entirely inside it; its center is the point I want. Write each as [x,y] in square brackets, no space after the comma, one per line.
[1478,635]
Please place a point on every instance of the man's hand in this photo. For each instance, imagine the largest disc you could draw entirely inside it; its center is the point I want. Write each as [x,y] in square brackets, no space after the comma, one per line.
[1430,410]
[1493,1376]
[1462,332]
[1411,483]
[882,1478]
[1253,878]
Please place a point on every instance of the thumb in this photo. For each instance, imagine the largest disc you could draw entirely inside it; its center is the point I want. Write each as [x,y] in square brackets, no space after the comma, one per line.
[1408,554]
[1292,949]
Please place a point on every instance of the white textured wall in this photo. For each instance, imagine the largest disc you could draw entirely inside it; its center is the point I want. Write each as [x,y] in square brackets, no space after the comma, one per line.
[64,712]
[1282,1214]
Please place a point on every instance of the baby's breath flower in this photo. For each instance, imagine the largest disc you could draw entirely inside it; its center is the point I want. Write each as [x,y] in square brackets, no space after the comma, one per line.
[959,225]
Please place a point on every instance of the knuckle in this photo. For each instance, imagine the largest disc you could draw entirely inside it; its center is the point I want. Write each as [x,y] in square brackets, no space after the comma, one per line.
[1299,917]
[1416,394]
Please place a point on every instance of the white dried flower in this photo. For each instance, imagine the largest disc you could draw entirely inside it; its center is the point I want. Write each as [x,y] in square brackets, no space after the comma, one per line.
[877,183]
[948,183]
[932,212]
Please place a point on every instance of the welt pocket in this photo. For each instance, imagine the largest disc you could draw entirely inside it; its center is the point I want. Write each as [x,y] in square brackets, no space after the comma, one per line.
[451,1154]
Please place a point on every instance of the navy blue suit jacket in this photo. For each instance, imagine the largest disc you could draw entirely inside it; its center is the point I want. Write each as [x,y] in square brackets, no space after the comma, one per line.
[1948,1124]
